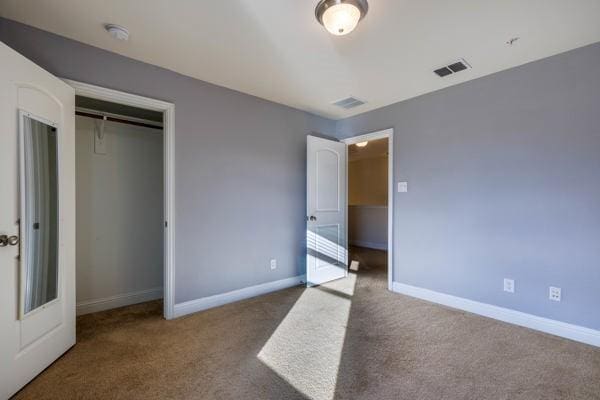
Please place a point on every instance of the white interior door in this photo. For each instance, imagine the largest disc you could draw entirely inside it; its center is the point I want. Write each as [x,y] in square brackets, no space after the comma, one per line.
[37,255]
[327,255]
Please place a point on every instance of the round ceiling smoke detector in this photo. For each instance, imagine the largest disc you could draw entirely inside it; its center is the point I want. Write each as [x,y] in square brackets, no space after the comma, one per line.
[340,17]
[117,31]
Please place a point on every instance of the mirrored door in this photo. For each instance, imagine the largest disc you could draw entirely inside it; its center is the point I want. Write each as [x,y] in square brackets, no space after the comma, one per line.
[37,270]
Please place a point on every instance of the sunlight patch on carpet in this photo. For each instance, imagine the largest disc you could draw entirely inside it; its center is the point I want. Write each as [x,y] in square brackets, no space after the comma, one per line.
[318,320]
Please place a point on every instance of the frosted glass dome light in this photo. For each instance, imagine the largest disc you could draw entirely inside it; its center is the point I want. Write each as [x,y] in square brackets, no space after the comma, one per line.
[340,17]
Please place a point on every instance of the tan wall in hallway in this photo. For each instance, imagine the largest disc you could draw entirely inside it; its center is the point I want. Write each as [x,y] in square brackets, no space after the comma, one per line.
[367,200]
[367,181]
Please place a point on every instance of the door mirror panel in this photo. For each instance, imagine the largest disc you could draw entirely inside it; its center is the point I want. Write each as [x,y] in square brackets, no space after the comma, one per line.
[39,212]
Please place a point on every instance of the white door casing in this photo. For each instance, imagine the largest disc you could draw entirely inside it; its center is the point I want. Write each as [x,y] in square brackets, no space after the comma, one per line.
[168,111]
[31,342]
[327,250]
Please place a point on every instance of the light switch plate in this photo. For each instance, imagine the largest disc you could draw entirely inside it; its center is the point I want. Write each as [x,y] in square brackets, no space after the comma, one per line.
[402,187]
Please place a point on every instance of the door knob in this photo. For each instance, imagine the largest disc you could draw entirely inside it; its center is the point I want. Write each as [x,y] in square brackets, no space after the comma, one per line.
[6,240]
[313,218]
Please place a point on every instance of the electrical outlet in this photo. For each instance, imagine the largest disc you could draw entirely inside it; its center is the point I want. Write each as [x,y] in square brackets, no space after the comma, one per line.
[402,187]
[555,293]
[509,285]
[273,263]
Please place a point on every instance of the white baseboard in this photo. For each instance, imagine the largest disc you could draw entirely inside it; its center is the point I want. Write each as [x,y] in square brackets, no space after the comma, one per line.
[120,300]
[553,327]
[369,245]
[205,303]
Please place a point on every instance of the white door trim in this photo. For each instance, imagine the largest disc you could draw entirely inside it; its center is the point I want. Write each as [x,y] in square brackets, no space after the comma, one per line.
[389,134]
[168,110]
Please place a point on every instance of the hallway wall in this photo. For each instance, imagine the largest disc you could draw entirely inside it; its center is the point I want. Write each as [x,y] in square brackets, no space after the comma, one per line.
[368,181]
[367,202]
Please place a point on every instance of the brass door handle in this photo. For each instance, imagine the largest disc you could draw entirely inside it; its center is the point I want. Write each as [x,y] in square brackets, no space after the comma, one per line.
[6,240]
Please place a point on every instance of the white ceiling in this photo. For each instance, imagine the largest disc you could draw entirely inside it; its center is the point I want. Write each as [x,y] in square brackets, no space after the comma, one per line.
[275,49]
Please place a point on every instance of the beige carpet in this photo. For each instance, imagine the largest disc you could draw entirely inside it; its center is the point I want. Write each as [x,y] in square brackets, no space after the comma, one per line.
[351,339]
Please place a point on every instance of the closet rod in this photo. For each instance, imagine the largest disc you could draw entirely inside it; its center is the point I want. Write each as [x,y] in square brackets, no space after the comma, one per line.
[86,112]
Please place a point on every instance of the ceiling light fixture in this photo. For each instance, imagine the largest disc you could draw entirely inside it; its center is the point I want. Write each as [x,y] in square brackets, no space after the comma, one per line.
[362,144]
[117,31]
[340,17]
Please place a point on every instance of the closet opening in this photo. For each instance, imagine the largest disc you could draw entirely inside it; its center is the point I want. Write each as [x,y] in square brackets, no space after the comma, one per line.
[368,202]
[120,196]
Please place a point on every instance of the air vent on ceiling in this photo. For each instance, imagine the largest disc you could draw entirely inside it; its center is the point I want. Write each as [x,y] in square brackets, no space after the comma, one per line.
[349,103]
[453,68]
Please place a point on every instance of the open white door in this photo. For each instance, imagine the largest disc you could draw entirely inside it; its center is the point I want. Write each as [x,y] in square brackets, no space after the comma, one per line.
[37,256]
[327,254]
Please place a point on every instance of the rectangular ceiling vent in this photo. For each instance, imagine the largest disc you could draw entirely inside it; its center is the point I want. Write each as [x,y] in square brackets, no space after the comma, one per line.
[453,68]
[349,103]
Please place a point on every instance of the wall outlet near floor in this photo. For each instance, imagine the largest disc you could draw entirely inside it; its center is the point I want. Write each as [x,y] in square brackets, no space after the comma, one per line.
[273,263]
[555,293]
[509,285]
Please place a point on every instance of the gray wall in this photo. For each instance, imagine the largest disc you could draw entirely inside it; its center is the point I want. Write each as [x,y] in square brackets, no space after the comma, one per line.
[504,181]
[239,165]
[119,210]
